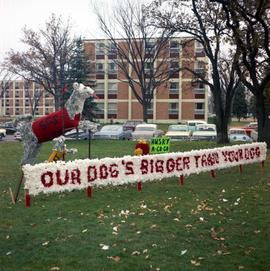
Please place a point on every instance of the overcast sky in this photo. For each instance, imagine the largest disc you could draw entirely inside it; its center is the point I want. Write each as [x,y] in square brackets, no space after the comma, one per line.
[15,14]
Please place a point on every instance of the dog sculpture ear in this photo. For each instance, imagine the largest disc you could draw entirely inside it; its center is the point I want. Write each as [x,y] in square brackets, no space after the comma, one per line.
[76,85]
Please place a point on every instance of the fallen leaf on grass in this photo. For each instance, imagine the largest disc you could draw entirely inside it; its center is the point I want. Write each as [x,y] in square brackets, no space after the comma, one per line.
[214,232]
[176,219]
[240,267]
[85,230]
[55,268]
[135,253]
[166,209]
[45,243]
[8,253]
[104,247]
[183,252]
[195,263]
[153,226]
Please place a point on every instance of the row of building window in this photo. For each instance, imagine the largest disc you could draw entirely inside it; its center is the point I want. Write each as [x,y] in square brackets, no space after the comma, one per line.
[102,49]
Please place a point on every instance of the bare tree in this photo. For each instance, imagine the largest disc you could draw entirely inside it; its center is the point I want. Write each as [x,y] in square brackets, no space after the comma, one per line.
[46,61]
[141,48]
[204,22]
[249,21]
[5,79]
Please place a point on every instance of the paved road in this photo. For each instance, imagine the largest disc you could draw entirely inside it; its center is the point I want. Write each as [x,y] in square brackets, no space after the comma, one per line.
[8,138]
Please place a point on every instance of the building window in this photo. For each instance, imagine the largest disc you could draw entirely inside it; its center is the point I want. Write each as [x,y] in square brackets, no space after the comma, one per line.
[17,86]
[99,68]
[148,66]
[173,108]
[7,93]
[112,67]
[112,88]
[112,48]
[174,88]
[100,109]
[199,67]
[174,46]
[199,88]
[17,94]
[150,47]
[150,108]
[199,108]
[112,108]
[198,47]
[100,46]
[99,89]
[26,85]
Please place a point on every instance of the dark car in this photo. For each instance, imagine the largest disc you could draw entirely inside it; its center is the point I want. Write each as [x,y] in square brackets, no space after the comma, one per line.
[9,126]
[130,125]
[80,135]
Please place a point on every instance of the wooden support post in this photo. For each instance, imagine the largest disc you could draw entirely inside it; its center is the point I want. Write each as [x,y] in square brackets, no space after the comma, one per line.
[213,173]
[262,164]
[27,199]
[241,168]
[139,186]
[89,192]
[181,180]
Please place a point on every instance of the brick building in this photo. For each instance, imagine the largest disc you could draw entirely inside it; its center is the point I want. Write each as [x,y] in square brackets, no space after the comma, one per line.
[177,100]
[18,97]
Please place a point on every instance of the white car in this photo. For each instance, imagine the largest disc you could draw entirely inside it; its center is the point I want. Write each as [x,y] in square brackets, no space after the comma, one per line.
[193,123]
[146,131]
[238,134]
[205,132]
[178,132]
[3,133]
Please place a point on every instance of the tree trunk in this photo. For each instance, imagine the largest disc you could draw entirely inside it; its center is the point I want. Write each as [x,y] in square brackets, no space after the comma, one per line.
[58,100]
[145,112]
[263,115]
[222,129]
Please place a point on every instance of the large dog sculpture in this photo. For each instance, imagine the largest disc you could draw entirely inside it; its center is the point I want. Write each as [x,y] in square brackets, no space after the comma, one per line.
[53,125]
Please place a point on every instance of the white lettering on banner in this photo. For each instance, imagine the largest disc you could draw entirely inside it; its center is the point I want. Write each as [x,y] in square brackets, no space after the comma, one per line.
[79,174]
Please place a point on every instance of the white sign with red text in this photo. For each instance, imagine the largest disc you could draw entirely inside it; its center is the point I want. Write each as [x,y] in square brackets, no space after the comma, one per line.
[79,174]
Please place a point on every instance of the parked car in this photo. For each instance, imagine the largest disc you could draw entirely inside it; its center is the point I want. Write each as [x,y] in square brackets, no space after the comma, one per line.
[130,125]
[112,132]
[254,135]
[9,127]
[238,134]
[81,135]
[178,132]
[205,132]
[250,127]
[146,131]
[193,123]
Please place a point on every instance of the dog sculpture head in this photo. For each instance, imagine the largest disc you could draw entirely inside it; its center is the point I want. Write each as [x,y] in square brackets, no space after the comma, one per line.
[75,103]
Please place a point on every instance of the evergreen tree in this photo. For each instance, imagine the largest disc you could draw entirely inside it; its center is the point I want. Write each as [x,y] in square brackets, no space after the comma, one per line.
[239,105]
[79,72]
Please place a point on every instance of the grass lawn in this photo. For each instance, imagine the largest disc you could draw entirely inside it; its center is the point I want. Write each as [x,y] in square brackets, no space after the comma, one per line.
[208,224]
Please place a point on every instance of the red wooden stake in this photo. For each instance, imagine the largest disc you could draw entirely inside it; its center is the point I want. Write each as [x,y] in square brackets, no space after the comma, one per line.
[27,199]
[181,180]
[213,173]
[262,164]
[241,168]
[139,186]
[89,192]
